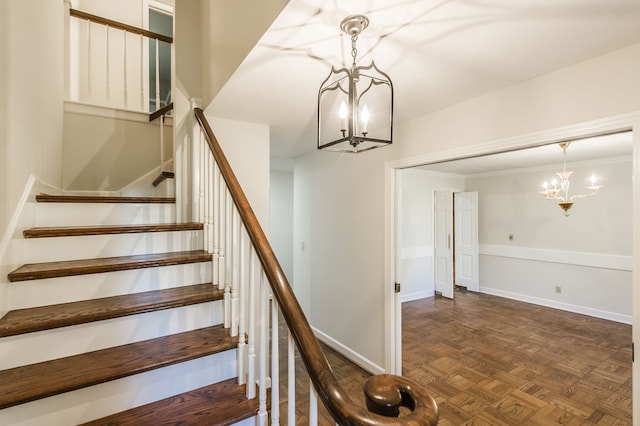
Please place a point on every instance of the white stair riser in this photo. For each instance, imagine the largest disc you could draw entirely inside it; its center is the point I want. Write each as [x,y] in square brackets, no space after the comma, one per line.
[77,214]
[95,246]
[26,294]
[107,398]
[66,341]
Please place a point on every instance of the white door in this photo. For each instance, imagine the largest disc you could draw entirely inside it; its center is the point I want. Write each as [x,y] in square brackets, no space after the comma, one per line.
[443,250]
[466,240]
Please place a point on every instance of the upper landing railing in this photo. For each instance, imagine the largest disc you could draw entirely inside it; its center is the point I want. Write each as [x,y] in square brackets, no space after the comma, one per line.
[112,64]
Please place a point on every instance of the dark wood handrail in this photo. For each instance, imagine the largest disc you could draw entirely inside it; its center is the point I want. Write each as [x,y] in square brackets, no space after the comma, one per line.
[385,393]
[115,24]
[162,111]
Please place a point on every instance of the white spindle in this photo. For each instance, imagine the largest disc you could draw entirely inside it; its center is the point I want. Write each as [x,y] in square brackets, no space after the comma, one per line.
[291,380]
[222,240]
[209,200]
[242,314]
[275,366]
[124,68]
[251,342]
[89,80]
[216,219]
[313,405]
[235,270]
[162,143]
[206,183]
[157,74]
[107,68]
[143,107]
[198,137]
[229,260]
[262,368]
[203,155]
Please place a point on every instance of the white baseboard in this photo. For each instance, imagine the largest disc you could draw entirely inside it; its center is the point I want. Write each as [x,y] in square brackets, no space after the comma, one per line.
[611,316]
[416,295]
[348,353]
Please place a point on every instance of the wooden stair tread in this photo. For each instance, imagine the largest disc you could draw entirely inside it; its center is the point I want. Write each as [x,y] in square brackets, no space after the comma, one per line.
[33,271]
[48,198]
[30,320]
[219,404]
[35,381]
[73,231]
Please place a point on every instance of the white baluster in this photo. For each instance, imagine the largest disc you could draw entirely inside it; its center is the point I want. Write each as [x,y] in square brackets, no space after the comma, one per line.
[209,201]
[201,193]
[262,368]
[195,177]
[275,366]
[313,404]
[143,107]
[216,220]
[235,270]
[229,260]
[291,379]
[67,50]
[124,68]
[107,68]
[157,74]
[162,144]
[251,343]
[206,182]
[89,79]
[242,314]
[222,240]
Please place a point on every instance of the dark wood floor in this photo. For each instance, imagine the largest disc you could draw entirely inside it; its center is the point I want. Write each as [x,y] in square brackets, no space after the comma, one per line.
[494,361]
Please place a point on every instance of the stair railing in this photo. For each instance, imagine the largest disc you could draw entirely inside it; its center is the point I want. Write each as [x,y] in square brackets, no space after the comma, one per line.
[112,76]
[162,114]
[242,253]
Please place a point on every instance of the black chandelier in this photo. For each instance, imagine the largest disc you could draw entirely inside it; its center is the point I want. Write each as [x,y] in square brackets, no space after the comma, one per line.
[355,105]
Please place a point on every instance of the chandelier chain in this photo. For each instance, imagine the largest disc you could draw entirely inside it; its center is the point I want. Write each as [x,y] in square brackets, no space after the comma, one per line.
[354,50]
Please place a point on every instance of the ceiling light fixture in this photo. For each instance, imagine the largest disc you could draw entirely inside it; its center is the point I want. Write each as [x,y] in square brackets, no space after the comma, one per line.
[559,191]
[355,106]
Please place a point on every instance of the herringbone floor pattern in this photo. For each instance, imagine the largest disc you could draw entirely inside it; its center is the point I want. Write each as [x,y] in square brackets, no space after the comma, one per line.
[494,361]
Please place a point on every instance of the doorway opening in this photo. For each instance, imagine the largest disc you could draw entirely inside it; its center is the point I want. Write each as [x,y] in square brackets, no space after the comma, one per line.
[482,163]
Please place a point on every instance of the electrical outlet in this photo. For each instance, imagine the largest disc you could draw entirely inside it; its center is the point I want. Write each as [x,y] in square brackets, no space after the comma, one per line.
[558,289]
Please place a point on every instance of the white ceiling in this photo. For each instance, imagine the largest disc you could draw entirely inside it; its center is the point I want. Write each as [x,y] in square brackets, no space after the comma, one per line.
[437,53]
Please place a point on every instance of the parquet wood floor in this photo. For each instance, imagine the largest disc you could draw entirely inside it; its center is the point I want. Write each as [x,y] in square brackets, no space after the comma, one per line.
[494,361]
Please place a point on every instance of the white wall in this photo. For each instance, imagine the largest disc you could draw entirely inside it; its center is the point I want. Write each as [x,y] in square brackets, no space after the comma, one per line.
[246,146]
[587,255]
[302,226]
[31,136]
[281,219]
[348,261]
[230,29]
[415,228]
[103,151]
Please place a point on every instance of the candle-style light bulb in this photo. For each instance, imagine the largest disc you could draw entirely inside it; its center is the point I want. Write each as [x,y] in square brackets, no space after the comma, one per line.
[365,119]
[343,115]
[593,180]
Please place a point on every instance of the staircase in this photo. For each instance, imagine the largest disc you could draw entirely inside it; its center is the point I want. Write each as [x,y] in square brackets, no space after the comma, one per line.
[115,321]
